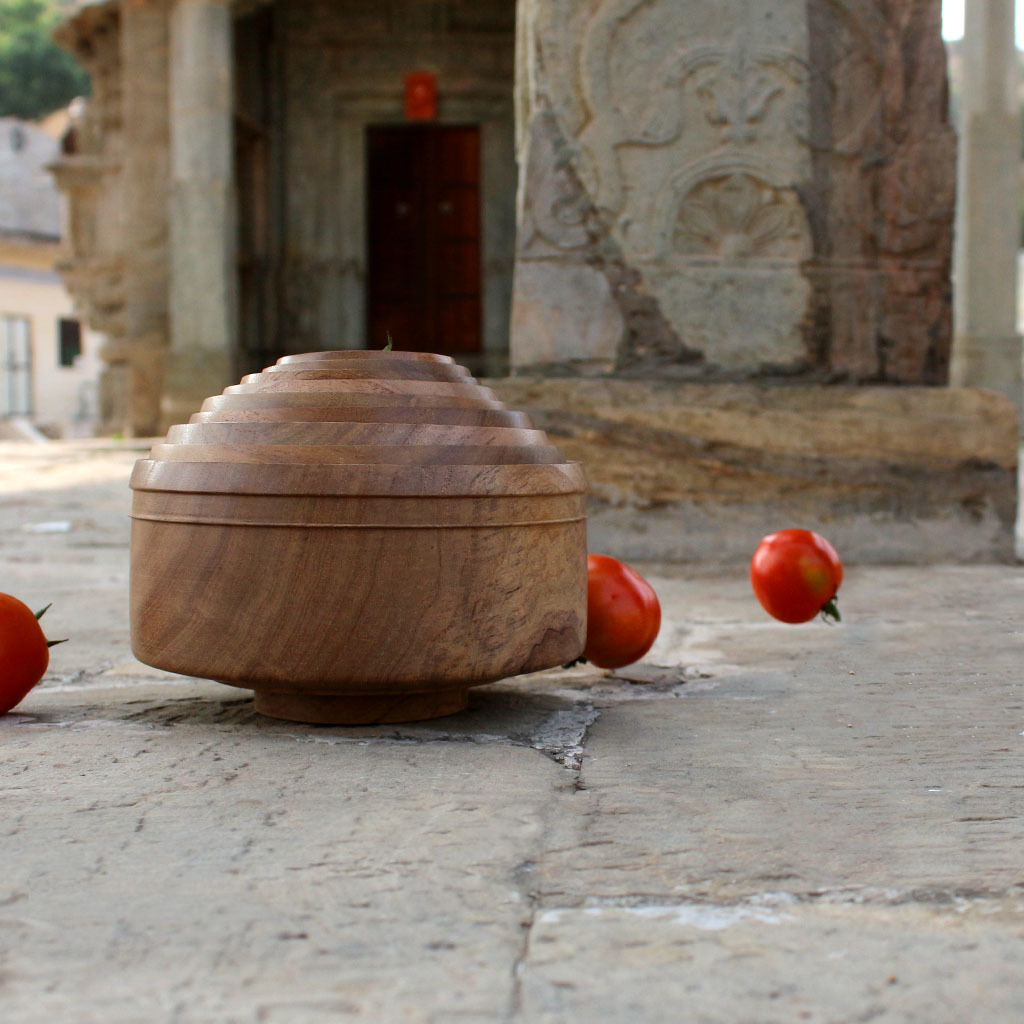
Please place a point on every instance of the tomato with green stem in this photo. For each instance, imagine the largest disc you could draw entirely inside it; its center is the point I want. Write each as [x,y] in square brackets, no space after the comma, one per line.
[24,651]
[796,576]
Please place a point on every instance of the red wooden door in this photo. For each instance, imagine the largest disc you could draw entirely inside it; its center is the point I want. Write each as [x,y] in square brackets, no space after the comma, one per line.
[424,237]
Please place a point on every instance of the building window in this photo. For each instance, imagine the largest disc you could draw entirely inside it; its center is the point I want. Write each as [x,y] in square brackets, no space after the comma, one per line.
[15,365]
[69,333]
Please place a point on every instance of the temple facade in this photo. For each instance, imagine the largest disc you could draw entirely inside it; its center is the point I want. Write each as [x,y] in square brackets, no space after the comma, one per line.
[707,243]
[687,190]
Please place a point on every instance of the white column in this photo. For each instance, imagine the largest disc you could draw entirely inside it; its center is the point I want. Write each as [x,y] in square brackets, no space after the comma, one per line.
[203,271]
[986,347]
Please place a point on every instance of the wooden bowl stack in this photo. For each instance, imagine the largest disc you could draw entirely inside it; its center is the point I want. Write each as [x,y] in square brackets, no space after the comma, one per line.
[358,537]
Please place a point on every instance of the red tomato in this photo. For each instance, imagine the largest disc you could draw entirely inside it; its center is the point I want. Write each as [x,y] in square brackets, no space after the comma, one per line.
[24,651]
[623,613]
[796,574]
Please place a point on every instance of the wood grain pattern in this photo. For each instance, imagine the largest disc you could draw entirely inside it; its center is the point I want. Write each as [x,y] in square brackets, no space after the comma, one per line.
[378,480]
[365,414]
[367,370]
[357,547]
[342,399]
[357,511]
[438,389]
[357,610]
[350,433]
[360,454]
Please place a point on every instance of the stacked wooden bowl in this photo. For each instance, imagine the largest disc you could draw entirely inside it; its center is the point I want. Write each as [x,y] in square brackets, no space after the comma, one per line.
[357,537]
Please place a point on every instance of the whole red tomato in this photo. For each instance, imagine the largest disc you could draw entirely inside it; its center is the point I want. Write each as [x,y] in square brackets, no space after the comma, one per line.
[24,651]
[796,574]
[623,613]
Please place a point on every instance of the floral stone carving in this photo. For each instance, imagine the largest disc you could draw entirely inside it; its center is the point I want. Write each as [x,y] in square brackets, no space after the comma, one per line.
[738,217]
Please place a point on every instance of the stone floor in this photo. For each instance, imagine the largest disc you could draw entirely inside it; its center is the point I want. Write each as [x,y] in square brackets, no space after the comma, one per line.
[760,823]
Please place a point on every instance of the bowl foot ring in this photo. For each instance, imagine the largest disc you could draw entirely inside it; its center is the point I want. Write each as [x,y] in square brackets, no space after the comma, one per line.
[359,709]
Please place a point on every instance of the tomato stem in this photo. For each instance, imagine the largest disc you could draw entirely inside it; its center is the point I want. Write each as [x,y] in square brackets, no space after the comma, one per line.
[43,611]
[387,347]
[830,610]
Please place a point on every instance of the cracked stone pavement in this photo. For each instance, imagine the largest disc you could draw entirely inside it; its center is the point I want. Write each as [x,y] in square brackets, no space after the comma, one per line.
[758,823]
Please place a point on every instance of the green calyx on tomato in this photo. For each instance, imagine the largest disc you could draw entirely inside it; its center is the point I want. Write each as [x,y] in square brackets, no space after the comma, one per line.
[388,346]
[796,575]
[39,615]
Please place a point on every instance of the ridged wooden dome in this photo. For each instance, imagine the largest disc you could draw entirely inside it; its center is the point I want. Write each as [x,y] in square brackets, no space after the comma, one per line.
[358,537]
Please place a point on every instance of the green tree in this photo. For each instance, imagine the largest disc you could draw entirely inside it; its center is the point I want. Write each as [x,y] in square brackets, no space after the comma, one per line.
[36,76]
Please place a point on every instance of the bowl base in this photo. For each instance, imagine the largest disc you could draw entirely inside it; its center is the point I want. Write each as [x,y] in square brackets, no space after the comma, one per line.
[359,709]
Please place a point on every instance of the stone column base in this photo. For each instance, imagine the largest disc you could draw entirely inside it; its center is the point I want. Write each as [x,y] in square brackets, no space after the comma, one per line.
[994,361]
[700,472]
[130,387]
[192,376]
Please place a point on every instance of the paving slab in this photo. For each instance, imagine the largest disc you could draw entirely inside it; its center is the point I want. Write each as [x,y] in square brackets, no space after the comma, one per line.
[757,823]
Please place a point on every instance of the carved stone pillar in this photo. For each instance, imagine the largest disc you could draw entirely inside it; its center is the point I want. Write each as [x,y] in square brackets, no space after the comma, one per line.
[89,172]
[739,188]
[202,219]
[987,349]
[137,358]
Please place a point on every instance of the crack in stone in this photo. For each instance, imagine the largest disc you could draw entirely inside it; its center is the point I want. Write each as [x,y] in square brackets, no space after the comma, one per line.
[564,734]
[515,1004]
[560,735]
[932,896]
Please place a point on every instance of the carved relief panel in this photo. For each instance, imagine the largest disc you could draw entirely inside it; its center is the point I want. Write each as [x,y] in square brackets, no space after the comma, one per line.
[686,138]
[737,155]
[89,173]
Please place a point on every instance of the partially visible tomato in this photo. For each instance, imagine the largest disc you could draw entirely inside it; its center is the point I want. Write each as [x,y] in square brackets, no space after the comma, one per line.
[24,651]
[796,574]
[623,613]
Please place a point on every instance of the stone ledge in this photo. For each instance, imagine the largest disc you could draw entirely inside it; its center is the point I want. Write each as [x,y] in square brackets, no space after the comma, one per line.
[698,472]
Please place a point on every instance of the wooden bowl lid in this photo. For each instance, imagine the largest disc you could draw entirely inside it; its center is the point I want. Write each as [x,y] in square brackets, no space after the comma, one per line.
[357,454]
[427,388]
[368,369]
[342,399]
[358,423]
[357,414]
[387,434]
[370,481]
[357,355]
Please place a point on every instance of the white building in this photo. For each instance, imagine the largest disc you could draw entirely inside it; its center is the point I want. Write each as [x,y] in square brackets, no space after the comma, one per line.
[49,361]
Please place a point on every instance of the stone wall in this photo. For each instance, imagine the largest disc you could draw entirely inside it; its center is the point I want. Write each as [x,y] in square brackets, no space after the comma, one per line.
[725,189]
[29,204]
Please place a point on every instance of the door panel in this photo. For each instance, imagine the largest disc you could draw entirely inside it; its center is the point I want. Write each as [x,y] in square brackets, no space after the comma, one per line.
[256,185]
[424,237]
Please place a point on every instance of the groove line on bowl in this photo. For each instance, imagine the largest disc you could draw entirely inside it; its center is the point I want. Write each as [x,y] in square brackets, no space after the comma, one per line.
[196,520]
